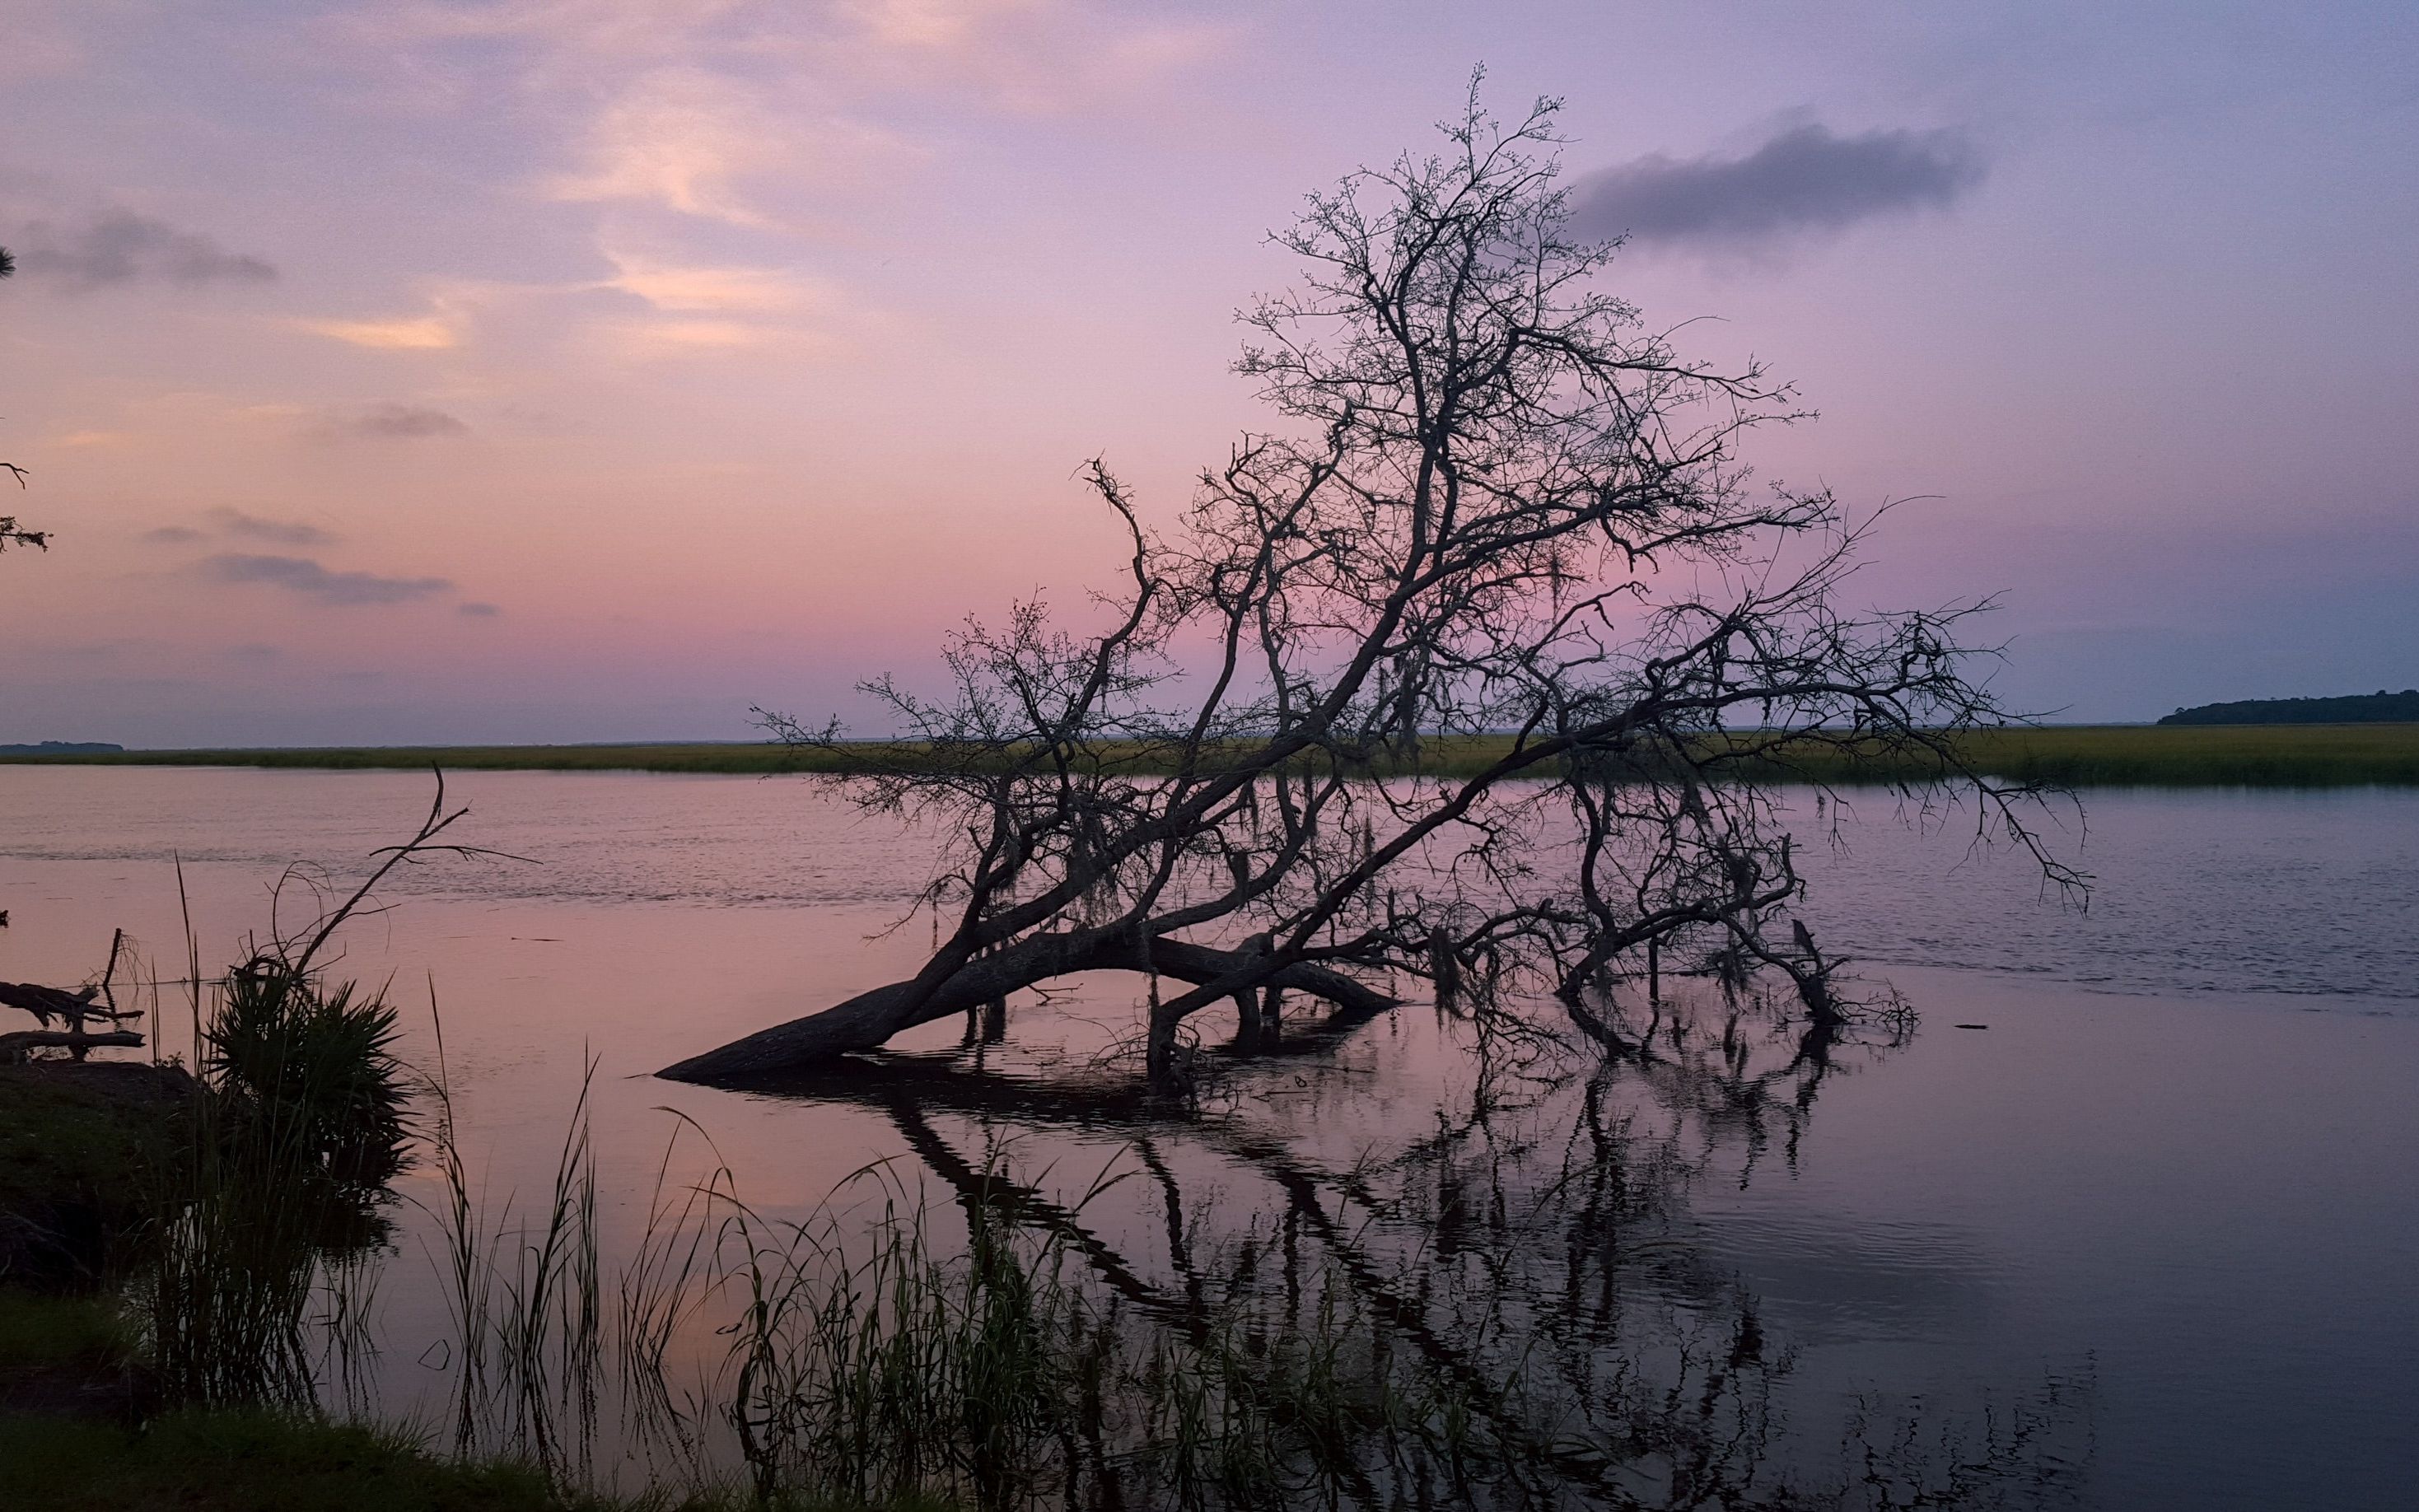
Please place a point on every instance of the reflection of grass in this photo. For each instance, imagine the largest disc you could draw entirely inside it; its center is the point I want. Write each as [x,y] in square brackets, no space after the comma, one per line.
[2080,755]
[996,1353]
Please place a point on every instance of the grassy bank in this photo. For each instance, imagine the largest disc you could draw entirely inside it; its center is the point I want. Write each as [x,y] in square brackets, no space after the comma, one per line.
[254,1461]
[2345,755]
[88,1420]
[83,1151]
[247,1462]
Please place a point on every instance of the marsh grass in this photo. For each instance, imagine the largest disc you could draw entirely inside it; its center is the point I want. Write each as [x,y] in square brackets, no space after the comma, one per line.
[525,1296]
[983,1353]
[2067,755]
[1499,1315]
[886,1351]
[261,1275]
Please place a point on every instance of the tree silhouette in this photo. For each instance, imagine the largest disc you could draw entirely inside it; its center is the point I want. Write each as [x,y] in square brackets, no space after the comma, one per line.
[10,533]
[1479,667]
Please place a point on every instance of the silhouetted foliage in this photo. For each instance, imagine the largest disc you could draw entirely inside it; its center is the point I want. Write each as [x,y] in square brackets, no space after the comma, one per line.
[10,533]
[2381,707]
[311,1070]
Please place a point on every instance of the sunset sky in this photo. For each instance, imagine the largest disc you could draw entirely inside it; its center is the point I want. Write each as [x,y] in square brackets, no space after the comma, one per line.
[594,369]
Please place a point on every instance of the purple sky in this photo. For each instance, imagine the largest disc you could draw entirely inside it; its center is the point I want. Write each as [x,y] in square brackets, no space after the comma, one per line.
[594,369]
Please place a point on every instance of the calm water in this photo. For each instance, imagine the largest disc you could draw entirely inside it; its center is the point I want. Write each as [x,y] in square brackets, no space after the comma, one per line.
[2165,1200]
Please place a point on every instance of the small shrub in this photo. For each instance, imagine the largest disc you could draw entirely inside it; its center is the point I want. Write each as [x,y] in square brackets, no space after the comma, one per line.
[310,1075]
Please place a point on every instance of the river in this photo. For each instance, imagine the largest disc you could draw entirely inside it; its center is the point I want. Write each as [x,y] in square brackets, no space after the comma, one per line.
[2143,1177]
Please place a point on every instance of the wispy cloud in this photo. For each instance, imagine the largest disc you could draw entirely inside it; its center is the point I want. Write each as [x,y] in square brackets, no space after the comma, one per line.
[391,422]
[309,579]
[635,340]
[282,531]
[1802,180]
[427,332]
[477,611]
[718,148]
[707,290]
[694,308]
[1027,55]
[681,138]
[118,247]
[749,111]
[237,524]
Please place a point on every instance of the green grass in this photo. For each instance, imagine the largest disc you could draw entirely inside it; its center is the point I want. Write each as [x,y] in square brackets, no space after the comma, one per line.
[44,1333]
[75,1132]
[2078,755]
[2328,755]
[68,1356]
[251,1461]
[82,1151]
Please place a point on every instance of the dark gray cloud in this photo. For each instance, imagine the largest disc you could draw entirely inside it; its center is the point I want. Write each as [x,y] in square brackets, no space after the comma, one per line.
[478,612]
[302,576]
[119,247]
[1805,179]
[173,535]
[395,423]
[282,531]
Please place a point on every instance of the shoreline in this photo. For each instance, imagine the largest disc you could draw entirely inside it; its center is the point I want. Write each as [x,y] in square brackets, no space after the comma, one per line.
[2277,756]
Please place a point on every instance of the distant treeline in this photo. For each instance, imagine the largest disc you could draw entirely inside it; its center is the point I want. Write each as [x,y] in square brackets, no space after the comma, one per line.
[62,747]
[2340,755]
[2380,707]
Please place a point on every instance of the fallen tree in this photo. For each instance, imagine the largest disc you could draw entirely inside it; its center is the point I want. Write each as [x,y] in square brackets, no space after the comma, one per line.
[18,1044]
[1495,504]
[71,1008]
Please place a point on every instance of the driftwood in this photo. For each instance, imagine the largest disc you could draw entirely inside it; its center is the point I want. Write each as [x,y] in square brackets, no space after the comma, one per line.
[70,1008]
[15,1046]
[48,1003]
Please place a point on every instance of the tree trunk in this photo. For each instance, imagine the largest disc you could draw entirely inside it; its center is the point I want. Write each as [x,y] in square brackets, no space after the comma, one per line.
[869,1019]
[1247,1019]
[1159,1057]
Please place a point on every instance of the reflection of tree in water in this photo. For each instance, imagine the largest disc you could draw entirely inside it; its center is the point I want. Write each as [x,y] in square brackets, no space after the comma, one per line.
[1504,1309]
